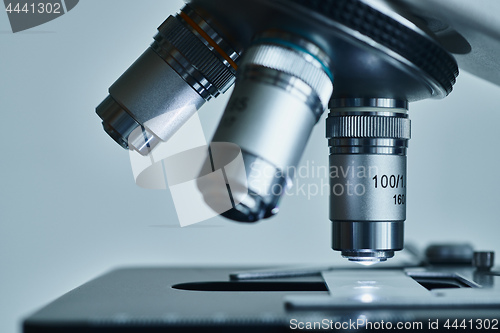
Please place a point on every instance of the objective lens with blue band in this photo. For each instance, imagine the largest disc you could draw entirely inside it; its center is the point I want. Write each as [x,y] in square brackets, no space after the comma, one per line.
[283,86]
[296,47]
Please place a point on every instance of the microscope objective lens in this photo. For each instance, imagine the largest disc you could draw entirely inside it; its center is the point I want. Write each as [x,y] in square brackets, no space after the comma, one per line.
[282,88]
[188,64]
[369,136]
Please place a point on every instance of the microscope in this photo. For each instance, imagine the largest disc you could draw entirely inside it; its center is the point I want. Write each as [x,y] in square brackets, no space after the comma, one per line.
[365,61]
[289,61]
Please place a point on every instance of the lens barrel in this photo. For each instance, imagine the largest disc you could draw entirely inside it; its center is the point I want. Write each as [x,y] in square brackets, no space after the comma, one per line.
[187,64]
[283,86]
[368,139]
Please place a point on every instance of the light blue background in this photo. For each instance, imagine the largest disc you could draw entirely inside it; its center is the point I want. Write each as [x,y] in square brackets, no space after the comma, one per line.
[69,207]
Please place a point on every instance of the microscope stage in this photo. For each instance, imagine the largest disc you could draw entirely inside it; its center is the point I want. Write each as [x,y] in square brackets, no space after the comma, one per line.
[219,300]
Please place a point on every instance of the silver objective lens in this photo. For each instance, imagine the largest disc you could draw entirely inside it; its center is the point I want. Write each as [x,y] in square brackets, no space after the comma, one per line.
[187,64]
[368,139]
[282,88]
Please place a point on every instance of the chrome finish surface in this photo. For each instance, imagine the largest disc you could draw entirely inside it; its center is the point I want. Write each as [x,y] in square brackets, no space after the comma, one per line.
[205,25]
[368,126]
[280,93]
[300,65]
[289,83]
[368,146]
[117,122]
[367,241]
[189,54]
[156,96]
[368,139]
[363,186]
[265,185]
[338,103]
[187,64]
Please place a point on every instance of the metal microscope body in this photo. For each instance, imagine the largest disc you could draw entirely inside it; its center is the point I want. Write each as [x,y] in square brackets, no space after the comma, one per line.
[291,60]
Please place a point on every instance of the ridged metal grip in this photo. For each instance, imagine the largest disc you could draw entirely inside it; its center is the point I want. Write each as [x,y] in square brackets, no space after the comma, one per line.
[181,48]
[368,127]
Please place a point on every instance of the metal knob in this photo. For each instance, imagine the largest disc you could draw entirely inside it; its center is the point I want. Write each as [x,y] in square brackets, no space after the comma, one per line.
[483,261]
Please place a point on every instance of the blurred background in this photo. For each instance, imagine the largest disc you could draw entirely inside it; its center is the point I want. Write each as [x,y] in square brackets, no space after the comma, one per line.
[70,209]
